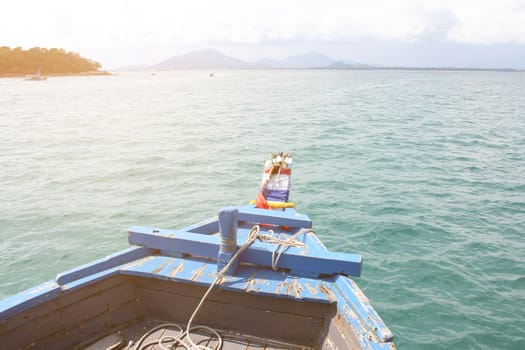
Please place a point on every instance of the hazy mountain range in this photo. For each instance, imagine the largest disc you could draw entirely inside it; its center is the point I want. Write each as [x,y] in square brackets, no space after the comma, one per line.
[212,59]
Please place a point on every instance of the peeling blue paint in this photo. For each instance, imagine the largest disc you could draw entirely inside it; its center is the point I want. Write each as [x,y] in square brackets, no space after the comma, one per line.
[189,256]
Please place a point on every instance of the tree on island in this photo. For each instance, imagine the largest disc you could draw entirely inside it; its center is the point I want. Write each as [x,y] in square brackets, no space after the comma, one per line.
[15,62]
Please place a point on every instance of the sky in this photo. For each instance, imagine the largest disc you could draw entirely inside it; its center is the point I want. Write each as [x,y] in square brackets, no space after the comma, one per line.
[414,33]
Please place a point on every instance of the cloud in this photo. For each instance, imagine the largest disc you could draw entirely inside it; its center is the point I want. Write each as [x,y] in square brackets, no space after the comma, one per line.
[136,23]
[489,22]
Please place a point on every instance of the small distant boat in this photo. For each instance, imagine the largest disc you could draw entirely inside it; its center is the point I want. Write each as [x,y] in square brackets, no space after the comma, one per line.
[255,277]
[35,76]
[211,75]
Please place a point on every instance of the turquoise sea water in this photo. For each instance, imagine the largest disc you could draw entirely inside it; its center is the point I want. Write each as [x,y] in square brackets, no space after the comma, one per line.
[423,173]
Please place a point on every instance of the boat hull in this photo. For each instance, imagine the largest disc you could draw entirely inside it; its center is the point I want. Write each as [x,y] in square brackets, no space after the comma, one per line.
[128,305]
[307,302]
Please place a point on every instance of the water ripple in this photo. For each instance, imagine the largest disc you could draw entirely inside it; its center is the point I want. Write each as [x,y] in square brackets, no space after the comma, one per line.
[420,172]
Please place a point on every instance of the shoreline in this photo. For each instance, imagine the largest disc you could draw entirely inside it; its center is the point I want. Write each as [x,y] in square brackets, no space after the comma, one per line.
[80,74]
[368,68]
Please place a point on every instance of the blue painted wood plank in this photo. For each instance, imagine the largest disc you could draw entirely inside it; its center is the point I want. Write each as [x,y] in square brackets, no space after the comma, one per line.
[72,279]
[99,265]
[312,260]
[175,241]
[162,267]
[87,280]
[206,227]
[301,261]
[248,279]
[315,264]
[288,217]
[277,284]
[354,302]
[186,270]
[28,298]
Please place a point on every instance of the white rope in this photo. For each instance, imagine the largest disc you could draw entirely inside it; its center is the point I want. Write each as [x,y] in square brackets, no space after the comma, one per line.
[253,235]
[282,244]
[288,242]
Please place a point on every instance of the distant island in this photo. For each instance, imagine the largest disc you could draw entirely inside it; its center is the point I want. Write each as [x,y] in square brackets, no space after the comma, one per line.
[211,59]
[19,62]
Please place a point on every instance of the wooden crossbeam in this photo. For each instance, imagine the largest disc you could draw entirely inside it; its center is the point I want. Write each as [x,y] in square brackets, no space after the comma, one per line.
[301,261]
[288,217]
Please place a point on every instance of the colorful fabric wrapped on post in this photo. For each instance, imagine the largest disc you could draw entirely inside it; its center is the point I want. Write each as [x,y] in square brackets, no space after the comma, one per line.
[275,185]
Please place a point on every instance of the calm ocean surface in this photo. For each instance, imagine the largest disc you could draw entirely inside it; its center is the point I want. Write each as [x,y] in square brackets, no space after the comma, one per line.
[423,173]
